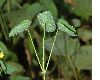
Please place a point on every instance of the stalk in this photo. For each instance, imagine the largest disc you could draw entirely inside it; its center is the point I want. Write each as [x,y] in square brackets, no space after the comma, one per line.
[43,58]
[35,49]
[52,49]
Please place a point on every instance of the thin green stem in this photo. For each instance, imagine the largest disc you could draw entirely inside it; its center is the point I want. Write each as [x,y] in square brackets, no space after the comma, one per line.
[70,60]
[35,49]
[74,70]
[43,50]
[43,57]
[51,50]
[44,76]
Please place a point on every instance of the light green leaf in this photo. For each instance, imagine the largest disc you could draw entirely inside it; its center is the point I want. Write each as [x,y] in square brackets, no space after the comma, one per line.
[76,22]
[83,59]
[20,28]
[13,67]
[82,8]
[84,34]
[65,27]
[2,66]
[9,68]
[46,21]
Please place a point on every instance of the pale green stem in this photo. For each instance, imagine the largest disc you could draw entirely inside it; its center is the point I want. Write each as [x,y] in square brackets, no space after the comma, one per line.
[43,58]
[51,50]
[35,49]
[44,76]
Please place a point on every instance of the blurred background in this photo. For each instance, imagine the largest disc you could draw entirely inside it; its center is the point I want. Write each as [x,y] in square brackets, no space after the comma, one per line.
[19,52]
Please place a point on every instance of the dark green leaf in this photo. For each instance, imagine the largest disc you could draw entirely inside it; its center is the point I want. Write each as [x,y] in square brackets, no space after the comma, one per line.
[82,8]
[63,45]
[22,78]
[28,12]
[3,47]
[2,2]
[84,57]
[65,67]
[49,5]
[18,77]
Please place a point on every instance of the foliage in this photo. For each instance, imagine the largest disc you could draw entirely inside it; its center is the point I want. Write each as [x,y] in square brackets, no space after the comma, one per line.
[69,41]
[83,10]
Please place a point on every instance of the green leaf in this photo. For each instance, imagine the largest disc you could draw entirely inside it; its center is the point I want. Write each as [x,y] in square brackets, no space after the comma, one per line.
[65,27]
[20,28]
[10,67]
[82,8]
[18,77]
[2,2]
[84,34]
[22,78]
[64,44]
[3,67]
[49,5]
[12,56]
[83,59]
[13,67]
[66,70]
[76,22]
[28,12]
[3,47]
[46,21]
